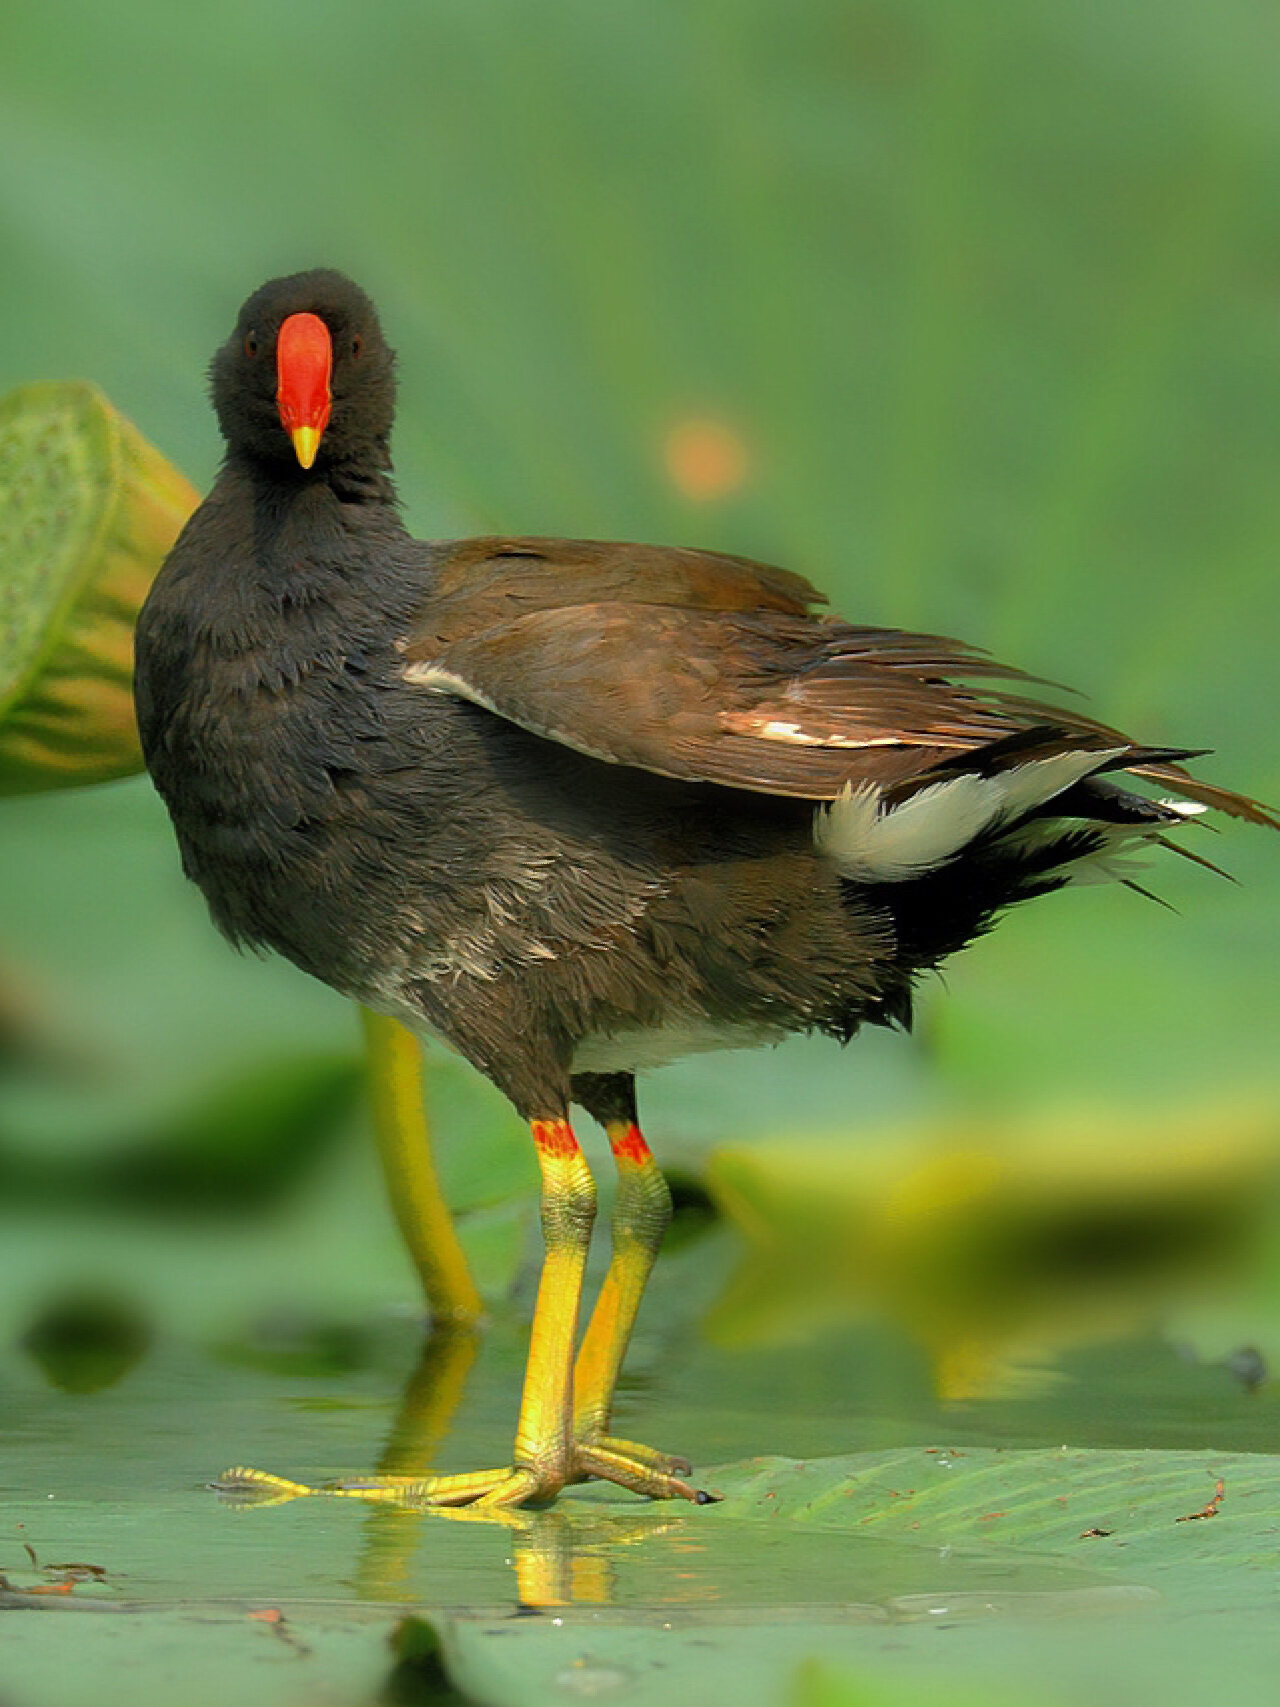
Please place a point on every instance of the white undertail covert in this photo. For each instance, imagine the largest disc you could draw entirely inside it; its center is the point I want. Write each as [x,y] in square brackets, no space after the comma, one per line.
[874,843]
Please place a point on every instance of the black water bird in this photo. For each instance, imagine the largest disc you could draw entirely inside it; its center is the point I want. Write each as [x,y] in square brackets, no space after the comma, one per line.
[578,808]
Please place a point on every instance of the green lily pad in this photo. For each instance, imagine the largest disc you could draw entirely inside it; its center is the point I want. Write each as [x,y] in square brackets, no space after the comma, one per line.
[88,510]
[1155,1571]
[1026,1579]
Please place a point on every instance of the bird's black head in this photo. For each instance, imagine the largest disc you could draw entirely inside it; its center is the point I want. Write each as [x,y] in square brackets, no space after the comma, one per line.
[306,377]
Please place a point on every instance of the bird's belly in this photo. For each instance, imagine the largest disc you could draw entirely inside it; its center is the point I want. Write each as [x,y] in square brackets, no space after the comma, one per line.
[618,1052]
[633,1051]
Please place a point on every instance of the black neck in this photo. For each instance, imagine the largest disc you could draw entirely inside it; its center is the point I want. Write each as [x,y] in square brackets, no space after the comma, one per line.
[301,537]
[363,480]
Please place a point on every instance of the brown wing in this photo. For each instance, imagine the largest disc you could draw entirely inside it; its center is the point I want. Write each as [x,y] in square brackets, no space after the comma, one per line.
[478,582]
[710,669]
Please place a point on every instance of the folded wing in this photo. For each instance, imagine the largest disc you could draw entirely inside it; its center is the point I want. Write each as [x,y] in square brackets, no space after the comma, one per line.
[712,669]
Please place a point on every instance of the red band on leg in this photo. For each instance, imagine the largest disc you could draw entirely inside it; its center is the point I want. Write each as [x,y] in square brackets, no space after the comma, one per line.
[554,1137]
[628,1145]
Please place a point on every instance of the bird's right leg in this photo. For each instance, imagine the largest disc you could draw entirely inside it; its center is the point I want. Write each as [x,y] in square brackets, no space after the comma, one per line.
[641,1215]
[543,1457]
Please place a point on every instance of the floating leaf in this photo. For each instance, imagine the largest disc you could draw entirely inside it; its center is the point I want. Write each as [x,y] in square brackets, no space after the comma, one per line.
[1042,1577]
[88,510]
[995,1247]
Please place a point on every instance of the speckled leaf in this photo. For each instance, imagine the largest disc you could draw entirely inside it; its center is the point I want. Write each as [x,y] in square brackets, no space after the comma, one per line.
[1047,1502]
[88,510]
[1044,1577]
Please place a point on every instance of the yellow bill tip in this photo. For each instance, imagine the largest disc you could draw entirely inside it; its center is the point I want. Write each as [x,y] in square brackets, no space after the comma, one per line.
[306,442]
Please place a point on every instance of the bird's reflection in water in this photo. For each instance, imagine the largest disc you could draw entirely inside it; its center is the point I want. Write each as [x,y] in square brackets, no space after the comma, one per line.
[561,1556]
[591,1550]
[430,1401]
[568,1555]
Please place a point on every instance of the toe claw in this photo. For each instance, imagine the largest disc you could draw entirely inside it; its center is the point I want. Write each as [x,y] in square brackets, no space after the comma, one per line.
[249,1486]
[241,1476]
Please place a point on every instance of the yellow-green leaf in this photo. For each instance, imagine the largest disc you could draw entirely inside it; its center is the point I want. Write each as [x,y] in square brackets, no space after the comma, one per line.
[88,510]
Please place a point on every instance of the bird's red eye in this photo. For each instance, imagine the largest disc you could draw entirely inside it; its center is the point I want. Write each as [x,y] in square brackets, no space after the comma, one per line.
[251,344]
[357,344]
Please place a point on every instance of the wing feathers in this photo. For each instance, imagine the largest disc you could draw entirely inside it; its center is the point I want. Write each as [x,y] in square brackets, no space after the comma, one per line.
[710,668]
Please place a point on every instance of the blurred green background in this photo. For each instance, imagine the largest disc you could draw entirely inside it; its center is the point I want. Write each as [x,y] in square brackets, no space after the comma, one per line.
[969,313]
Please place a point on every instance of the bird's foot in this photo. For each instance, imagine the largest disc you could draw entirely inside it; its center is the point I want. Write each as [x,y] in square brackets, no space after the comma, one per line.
[638,1468]
[243,1486]
[654,1474]
[664,1463]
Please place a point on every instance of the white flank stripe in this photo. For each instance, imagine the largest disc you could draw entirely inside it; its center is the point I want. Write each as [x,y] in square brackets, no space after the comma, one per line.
[776,730]
[438,680]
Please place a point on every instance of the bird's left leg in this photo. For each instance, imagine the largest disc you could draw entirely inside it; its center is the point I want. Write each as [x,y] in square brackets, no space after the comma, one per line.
[404,1146]
[641,1215]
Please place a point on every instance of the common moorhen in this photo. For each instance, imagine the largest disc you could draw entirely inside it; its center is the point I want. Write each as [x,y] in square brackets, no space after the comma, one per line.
[578,808]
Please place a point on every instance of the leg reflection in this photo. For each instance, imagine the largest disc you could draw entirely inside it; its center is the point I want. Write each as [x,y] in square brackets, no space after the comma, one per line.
[430,1401]
[560,1557]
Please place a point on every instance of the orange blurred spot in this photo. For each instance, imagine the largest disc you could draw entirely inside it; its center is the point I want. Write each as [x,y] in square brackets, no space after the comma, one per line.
[705,459]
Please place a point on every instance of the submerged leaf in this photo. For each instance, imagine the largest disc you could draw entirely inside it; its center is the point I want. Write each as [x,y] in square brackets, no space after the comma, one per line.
[821,1685]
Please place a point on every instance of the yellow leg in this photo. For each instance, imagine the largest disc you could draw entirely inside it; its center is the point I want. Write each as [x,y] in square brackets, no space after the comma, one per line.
[642,1212]
[547,1454]
[404,1144]
[544,1431]
[542,1459]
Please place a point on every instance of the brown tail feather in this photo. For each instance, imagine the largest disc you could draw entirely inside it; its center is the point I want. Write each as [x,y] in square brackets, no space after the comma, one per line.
[1210,794]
